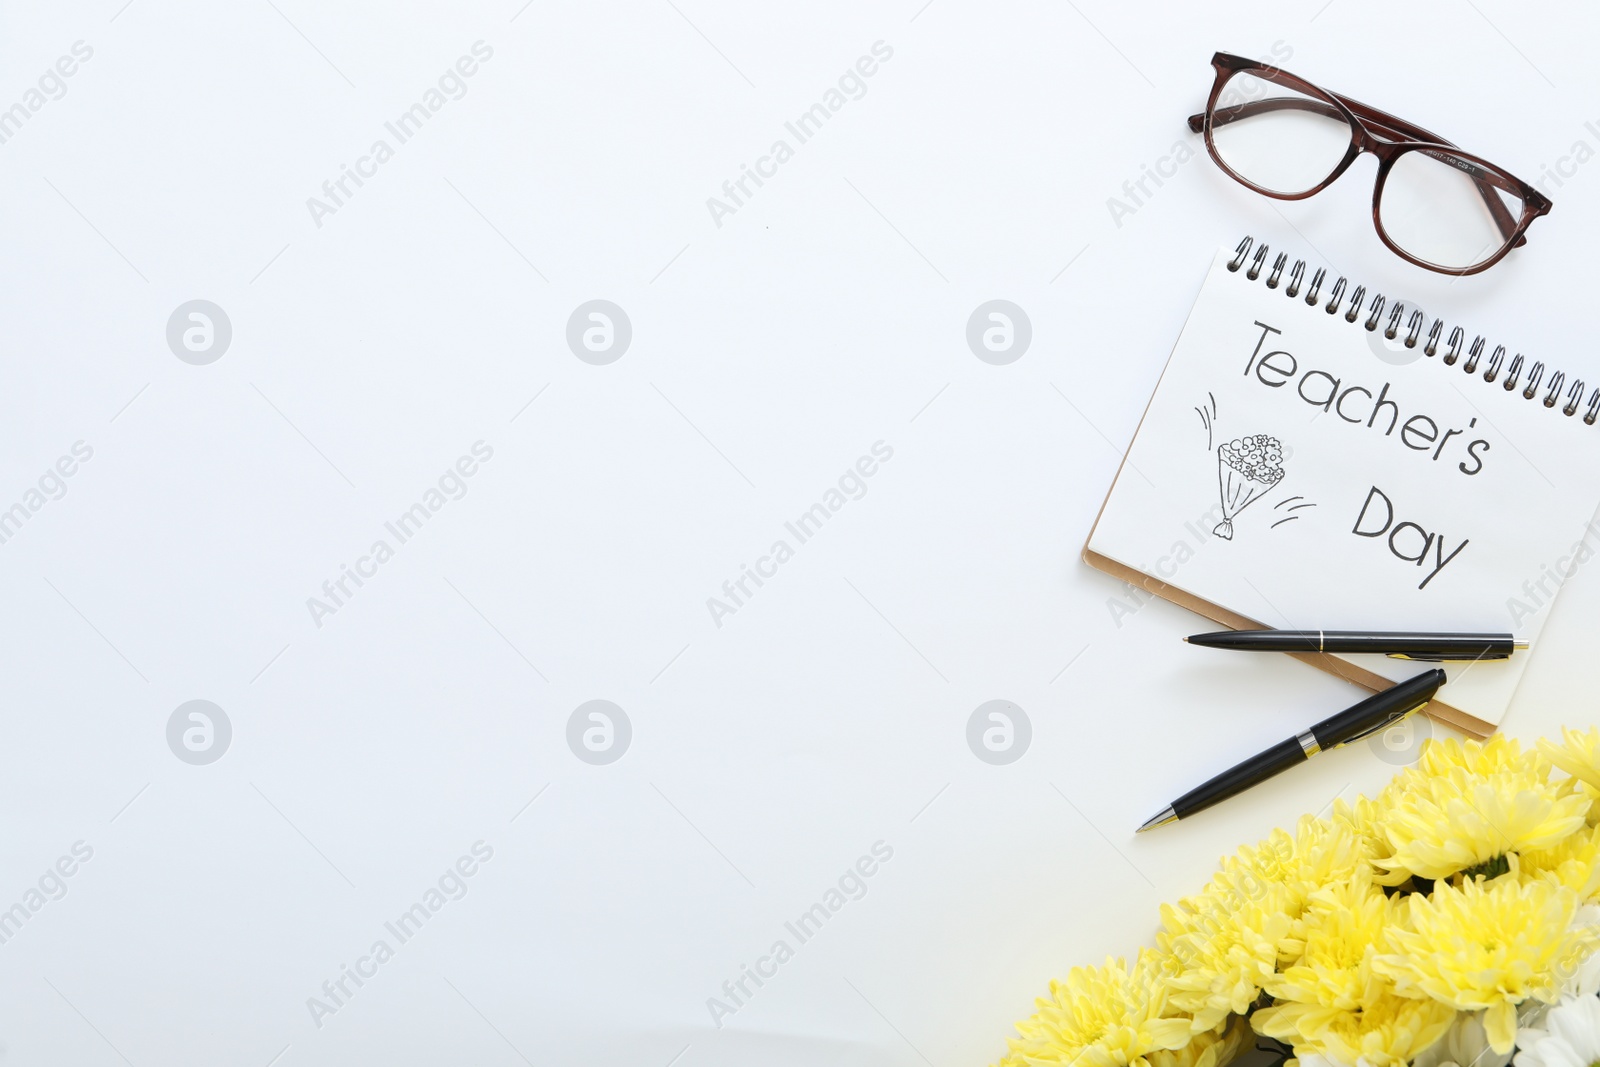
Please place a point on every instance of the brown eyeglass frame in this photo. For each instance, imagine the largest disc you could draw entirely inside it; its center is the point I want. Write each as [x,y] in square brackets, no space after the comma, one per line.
[1386,137]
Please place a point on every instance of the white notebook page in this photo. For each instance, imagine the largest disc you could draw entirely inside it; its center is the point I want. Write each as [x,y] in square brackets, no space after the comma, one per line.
[1360,492]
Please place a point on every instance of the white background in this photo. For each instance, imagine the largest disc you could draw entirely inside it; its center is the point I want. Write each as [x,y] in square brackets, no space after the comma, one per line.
[826,314]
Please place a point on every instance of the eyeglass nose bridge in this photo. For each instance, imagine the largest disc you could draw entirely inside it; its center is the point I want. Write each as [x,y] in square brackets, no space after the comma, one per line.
[1379,134]
[1384,151]
[1368,139]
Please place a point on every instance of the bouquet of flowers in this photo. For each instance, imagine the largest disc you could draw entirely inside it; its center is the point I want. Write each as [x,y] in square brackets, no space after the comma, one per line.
[1246,468]
[1451,920]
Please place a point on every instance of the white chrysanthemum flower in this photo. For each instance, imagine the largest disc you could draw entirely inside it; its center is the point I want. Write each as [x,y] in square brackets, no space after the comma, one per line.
[1569,1037]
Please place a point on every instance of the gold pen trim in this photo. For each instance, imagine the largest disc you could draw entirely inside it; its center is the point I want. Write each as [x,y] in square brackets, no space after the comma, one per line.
[1448,659]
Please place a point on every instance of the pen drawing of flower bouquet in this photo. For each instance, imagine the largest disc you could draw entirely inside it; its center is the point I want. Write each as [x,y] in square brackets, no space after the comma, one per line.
[1246,468]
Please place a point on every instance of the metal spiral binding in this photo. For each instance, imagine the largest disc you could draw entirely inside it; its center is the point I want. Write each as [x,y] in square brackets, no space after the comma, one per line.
[1530,379]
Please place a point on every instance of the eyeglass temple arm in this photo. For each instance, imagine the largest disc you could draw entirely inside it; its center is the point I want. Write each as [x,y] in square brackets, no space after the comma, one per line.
[1383,123]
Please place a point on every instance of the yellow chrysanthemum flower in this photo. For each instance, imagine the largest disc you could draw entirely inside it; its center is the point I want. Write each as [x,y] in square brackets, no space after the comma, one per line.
[1333,1002]
[1342,927]
[1107,1016]
[1212,1048]
[1287,868]
[1574,862]
[1465,804]
[1225,941]
[1322,851]
[1488,945]
[1363,817]
[1579,756]
[1217,957]
[1387,1031]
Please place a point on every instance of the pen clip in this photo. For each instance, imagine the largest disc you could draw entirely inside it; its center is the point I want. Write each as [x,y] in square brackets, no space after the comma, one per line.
[1419,657]
[1385,724]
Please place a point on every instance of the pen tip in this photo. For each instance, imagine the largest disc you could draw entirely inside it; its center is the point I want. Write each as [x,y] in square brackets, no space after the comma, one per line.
[1186,640]
[1163,817]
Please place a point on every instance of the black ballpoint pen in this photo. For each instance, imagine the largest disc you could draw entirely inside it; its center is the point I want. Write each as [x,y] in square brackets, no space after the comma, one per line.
[1357,721]
[1397,645]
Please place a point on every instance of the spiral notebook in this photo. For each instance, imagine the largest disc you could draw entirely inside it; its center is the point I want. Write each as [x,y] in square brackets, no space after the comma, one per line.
[1317,458]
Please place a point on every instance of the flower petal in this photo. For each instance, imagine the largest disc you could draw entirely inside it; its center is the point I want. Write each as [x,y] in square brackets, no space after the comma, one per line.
[1500,1024]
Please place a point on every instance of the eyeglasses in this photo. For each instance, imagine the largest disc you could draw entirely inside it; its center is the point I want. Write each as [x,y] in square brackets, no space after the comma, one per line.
[1434,205]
